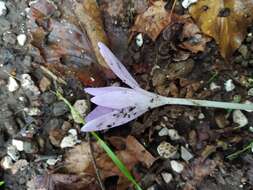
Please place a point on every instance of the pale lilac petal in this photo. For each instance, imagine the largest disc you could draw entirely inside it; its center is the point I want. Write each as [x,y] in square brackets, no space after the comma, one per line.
[122,99]
[97,112]
[102,90]
[116,66]
[113,119]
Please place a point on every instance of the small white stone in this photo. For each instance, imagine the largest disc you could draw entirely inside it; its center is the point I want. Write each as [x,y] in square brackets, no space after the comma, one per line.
[3,8]
[229,85]
[250,92]
[166,150]
[251,129]
[201,116]
[173,134]
[187,3]
[82,107]
[214,86]
[176,166]
[167,177]
[28,84]
[13,152]
[21,38]
[163,132]
[248,102]
[70,140]
[139,40]
[32,111]
[240,118]
[52,161]
[18,144]
[185,154]
[6,162]
[12,84]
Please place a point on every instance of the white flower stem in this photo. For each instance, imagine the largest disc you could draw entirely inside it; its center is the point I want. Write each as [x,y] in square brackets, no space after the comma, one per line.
[205,103]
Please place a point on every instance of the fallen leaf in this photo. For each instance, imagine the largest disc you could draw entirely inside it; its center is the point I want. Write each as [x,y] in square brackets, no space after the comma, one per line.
[154,20]
[224,20]
[63,46]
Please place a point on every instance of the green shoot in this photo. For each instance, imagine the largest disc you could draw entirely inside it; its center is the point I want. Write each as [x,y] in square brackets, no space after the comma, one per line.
[78,119]
[236,154]
[1,183]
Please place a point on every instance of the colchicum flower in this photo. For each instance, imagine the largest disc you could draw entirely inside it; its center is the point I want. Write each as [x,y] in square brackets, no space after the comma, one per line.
[119,105]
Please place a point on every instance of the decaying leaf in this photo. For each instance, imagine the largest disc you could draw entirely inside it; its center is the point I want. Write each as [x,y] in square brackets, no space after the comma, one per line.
[78,160]
[224,20]
[154,20]
[65,48]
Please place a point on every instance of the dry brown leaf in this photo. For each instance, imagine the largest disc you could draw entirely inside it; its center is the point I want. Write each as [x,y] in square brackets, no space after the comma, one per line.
[154,20]
[89,16]
[224,20]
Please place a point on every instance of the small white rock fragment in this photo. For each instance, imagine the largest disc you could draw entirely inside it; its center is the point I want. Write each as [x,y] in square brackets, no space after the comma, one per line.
[13,152]
[214,86]
[185,154]
[18,144]
[52,161]
[251,129]
[187,3]
[248,102]
[82,107]
[6,162]
[12,84]
[151,187]
[201,116]
[176,166]
[250,92]
[239,118]
[139,40]
[163,132]
[166,150]
[32,111]
[173,134]
[21,38]
[229,85]
[28,84]
[70,140]
[3,8]
[167,177]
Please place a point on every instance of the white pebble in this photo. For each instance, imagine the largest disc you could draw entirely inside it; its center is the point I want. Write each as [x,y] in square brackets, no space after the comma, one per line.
[6,162]
[214,86]
[201,116]
[32,111]
[3,8]
[13,152]
[167,177]
[250,92]
[70,140]
[229,85]
[240,118]
[173,134]
[18,144]
[187,3]
[28,84]
[12,84]
[166,150]
[163,132]
[52,161]
[185,154]
[248,102]
[21,38]
[176,166]
[139,40]
[81,106]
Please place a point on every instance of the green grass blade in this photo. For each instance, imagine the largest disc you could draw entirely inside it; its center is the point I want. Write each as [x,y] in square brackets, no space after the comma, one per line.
[78,119]
[1,183]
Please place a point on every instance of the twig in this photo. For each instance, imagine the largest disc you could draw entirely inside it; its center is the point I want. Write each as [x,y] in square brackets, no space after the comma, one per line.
[95,163]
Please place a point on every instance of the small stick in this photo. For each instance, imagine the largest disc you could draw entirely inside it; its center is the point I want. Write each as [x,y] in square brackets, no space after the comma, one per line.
[95,163]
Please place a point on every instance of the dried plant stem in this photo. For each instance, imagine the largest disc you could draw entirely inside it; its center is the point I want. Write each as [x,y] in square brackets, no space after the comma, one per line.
[205,103]
[95,163]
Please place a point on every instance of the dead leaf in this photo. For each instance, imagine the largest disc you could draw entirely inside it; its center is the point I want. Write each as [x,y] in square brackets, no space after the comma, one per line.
[224,20]
[154,20]
[64,47]
[89,16]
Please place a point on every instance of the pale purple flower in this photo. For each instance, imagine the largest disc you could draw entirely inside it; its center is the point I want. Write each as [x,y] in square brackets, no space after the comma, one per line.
[119,105]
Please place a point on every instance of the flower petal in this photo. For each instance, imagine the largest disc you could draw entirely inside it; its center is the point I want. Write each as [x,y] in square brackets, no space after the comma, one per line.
[97,112]
[102,90]
[113,119]
[116,66]
[122,99]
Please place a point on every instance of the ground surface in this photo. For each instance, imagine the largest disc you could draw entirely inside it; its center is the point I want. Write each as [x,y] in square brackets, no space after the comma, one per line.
[33,115]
